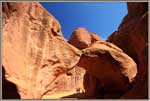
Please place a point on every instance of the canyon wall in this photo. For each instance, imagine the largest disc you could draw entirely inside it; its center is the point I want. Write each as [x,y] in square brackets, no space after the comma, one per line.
[37,61]
[132,38]
[35,56]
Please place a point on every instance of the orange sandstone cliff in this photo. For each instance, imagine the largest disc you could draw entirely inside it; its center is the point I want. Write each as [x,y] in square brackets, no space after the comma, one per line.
[38,62]
[35,56]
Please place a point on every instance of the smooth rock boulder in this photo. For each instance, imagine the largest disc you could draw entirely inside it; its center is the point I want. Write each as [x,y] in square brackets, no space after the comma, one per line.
[80,38]
[95,37]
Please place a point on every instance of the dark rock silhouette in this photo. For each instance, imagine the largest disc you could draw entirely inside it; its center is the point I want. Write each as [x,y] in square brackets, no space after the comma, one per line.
[9,89]
[93,87]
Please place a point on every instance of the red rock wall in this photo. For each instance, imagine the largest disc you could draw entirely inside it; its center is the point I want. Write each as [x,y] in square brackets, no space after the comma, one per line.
[132,37]
[35,55]
[39,61]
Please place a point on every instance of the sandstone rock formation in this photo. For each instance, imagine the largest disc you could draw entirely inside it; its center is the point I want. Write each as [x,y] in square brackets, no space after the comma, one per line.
[109,68]
[31,44]
[80,38]
[95,37]
[132,38]
[93,85]
[40,62]
[77,39]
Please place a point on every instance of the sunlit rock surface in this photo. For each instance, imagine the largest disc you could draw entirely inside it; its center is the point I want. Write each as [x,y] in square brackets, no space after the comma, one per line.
[35,55]
[39,63]
[80,38]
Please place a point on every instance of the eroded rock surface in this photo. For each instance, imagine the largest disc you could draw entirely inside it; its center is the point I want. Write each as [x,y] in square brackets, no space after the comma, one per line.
[132,38]
[110,70]
[39,61]
[95,37]
[80,38]
[34,52]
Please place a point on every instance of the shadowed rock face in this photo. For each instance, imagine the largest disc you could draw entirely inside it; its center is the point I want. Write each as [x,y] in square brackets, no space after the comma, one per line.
[9,89]
[132,38]
[109,68]
[34,52]
[136,8]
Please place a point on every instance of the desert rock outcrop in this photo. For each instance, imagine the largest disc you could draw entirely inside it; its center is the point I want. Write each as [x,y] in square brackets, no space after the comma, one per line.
[80,38]
[113,69]
[132,38]
[31,44]
[38,61]
[81,35]
[95,37]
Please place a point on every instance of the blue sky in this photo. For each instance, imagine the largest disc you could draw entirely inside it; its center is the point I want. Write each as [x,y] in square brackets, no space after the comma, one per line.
[100,17]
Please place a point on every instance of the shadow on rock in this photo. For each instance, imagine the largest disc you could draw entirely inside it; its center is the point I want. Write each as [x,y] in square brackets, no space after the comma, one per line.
[9,89]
